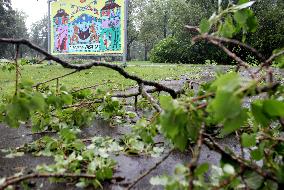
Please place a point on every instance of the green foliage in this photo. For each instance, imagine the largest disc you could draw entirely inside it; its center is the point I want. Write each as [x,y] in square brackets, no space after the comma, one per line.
[167,51]
[175,50]
[180,122]
[233,116]
[279,61]
[178,181]
[237,18]
[146,131]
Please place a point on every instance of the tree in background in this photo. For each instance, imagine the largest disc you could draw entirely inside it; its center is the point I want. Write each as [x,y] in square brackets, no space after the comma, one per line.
[270,33]
[12,25]
[39,33]
[269,36]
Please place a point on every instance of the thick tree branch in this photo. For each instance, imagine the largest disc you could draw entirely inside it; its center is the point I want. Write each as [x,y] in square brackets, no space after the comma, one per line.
[80,67]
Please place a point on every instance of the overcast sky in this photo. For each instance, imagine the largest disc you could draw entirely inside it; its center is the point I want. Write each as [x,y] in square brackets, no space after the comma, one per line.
[35,9]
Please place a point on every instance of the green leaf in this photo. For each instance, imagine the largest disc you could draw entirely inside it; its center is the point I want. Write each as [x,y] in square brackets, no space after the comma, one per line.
[227,29]
[280,173]
[233,124]
[242,1]
[165,102]
[241,18]
[67,99]
[180,141]
[279,60]
[274,108]
[253,180]
[37,102]
[244,5]
[248,140]
[204,26]
[104,173]
[225,106]
[258,113]
[67,134]
[257,154]
[201,169]
[252,22]
[228,82]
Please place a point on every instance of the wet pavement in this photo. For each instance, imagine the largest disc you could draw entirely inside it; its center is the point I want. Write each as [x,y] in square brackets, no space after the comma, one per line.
[129,167]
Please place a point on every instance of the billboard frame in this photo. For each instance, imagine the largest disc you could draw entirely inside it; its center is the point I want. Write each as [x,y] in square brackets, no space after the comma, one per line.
[124,55]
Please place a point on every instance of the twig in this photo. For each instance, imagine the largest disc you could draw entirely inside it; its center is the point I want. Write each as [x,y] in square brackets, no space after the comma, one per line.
[82,104]
[234,56]
[209,141]
[218,43]
[226,182]
[80,67]
[16,180]
[56,78]
[193,28]
[231,41]
[37,133]
[134,94]
[195,157]
[88,87]
[149,98]
[40,61]
[269,61]
[149,171]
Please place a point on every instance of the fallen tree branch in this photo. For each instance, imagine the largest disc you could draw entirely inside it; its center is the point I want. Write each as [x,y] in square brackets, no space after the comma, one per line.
[152,101]
[80,67]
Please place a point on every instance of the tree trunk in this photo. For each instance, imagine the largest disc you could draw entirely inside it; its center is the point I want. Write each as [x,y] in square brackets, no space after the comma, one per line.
[165,24]
[128,58]
[145,52]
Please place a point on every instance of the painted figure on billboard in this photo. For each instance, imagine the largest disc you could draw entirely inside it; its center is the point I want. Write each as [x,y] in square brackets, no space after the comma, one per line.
[87,26]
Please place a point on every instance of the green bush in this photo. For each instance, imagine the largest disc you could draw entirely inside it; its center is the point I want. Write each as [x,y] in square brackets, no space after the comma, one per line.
[173,50]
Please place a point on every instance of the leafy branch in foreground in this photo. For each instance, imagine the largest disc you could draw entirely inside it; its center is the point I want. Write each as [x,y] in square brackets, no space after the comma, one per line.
[221,108]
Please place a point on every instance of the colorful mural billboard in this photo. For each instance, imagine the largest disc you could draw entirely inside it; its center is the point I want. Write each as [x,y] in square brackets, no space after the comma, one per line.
[87,27]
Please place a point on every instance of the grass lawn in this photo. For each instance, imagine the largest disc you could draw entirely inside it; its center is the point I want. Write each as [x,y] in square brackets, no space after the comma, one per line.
[96,75]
